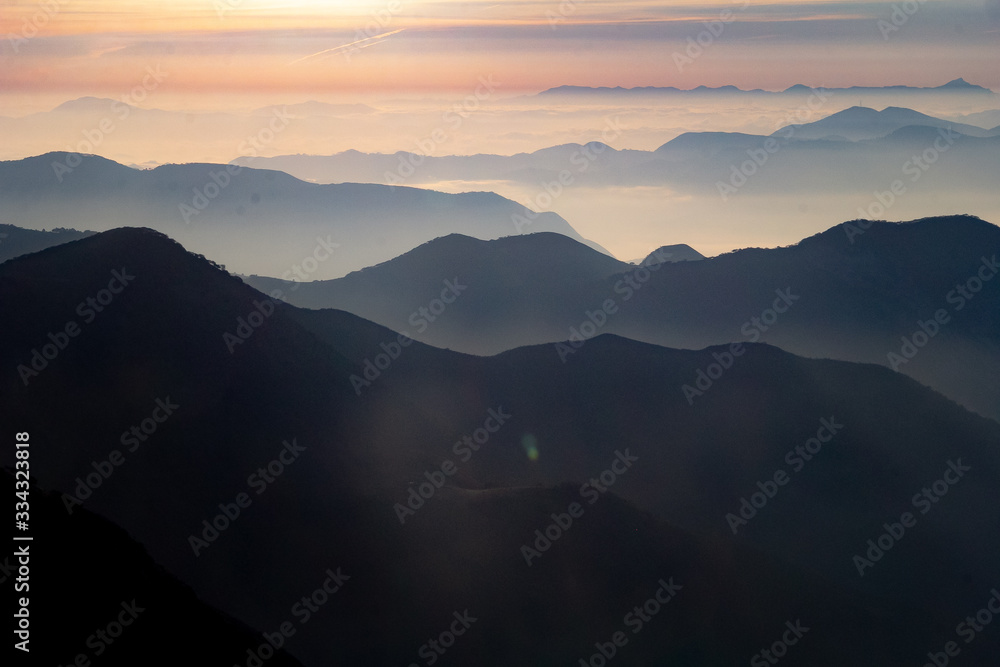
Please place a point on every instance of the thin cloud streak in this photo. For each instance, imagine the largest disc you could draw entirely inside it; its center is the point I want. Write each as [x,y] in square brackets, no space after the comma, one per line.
[364,43]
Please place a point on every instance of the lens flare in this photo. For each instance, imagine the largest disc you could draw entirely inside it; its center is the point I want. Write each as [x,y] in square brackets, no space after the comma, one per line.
[530,444]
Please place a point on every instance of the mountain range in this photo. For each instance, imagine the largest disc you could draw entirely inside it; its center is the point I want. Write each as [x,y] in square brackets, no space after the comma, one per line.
[858,290]
[653,525]
[844,152]
[956,86]
[253,220]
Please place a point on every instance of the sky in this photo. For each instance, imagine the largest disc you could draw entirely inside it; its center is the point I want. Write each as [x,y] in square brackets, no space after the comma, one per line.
[406,65]
[271,50]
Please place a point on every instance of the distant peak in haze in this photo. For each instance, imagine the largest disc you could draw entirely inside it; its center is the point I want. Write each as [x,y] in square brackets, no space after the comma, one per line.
[961,83]
[88,103]
[860,123]
[958,85]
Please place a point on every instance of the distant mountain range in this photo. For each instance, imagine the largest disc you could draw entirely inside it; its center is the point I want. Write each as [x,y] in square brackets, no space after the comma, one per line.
[858,290]
[957,86]
[860,123]
[254,220]
[675,470]
[91,105]
[845,152]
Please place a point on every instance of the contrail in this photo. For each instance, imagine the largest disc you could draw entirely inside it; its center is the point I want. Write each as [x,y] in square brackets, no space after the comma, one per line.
[366,42]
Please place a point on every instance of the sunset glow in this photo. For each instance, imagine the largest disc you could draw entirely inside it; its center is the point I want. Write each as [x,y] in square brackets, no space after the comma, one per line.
[251,46]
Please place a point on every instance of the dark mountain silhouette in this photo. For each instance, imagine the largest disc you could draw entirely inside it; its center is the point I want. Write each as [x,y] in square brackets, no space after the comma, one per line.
[114,579]
[276,220]
[501,286]
[679,252]
[663,517]
[16,241]
[859,293]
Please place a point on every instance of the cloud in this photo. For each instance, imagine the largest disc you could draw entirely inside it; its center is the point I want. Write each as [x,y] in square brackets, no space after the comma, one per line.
[358,44]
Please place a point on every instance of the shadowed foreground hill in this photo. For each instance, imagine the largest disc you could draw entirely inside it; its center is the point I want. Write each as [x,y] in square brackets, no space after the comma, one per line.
[87,575]
[340,458]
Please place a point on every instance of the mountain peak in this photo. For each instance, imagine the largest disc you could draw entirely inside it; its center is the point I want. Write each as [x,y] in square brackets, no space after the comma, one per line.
[959,83]
[668,254]
[88,104]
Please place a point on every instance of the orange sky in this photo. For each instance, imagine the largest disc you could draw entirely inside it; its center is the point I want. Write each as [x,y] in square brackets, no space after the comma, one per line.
[210,47]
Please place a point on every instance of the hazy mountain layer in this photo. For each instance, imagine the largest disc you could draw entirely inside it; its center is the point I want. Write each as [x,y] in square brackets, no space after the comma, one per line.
[853,292]
[253,220]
